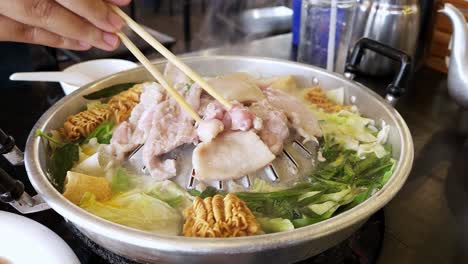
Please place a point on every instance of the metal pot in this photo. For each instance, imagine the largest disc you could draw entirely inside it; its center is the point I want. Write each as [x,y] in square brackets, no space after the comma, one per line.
[272,248]
[393,22]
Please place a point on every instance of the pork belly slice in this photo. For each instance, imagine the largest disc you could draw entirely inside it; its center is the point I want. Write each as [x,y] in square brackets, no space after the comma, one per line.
[239,87]
[121,144]
[299,116]
[161,125]
[230,156]
[171,128]
[274,129]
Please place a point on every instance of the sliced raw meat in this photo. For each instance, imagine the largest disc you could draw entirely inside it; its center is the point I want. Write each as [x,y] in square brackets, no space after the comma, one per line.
[231,155]
[170,128]
[238,117]
[209,129]
[274,130]
[121,144]
[161,169]
[161,125]
[237,87]
[300,117]
[241,117]
[122,134]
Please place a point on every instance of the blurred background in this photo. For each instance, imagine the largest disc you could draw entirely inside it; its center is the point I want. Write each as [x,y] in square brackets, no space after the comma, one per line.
[181,25]
[192,25]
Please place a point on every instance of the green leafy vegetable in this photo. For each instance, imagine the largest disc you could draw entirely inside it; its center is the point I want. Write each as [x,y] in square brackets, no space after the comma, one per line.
[103,133]
[39,133]
[62,159]
[345,166]
[136,209]
[109,91]
[339,183]
[208,192]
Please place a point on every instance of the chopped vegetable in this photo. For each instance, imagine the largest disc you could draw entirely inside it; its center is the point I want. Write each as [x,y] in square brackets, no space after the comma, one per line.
[188,85]
[352,131]
[136,209]
[109,91]
[336,95]
[343,180]
[348,167]
[273,225]
[260,185]
[120,180]
[171,193]
[208,192]
[103,133]
[51,139]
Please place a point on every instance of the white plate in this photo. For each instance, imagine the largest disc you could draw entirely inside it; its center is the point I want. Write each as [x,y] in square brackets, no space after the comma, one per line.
[24,241]
[97,69]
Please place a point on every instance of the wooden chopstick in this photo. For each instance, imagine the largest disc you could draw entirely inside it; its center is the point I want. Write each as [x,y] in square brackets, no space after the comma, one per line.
[171,57]
[158,76]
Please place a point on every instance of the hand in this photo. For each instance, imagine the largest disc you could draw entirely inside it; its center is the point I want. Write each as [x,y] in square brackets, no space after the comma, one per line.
[69,24]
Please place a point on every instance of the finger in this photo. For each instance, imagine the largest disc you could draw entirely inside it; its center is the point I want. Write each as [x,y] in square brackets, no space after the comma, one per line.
[53,17]
[95,11]
[18,32]
[119,2]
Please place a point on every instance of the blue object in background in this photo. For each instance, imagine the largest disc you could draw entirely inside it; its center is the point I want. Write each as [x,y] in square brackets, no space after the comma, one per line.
[296,21]
[318,51]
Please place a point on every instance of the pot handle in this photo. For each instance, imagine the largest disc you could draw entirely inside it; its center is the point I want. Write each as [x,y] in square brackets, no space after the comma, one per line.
[9,150]
[396,88]
[12,190]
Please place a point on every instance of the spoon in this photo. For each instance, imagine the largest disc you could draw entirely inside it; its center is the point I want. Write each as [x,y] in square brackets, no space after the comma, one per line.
[73,78]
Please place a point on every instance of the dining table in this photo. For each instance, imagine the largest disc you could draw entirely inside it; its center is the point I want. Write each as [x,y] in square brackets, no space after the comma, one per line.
[426,222]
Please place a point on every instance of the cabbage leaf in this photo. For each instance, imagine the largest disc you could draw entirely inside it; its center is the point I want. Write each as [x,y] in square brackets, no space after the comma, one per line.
[138,210]
[273,225]
[171,193]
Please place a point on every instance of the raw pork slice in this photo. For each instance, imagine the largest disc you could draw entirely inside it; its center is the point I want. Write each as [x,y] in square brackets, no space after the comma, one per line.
[274,129]
[207,130]
[238,117]
[230,156]
[301,118]
[120,144]
[237,87]
[171,128]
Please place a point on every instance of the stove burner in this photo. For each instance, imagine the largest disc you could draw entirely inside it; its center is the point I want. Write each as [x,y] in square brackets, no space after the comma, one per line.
[363,247]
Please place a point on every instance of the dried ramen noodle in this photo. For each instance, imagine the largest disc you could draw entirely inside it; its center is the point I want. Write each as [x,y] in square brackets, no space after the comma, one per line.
[123,103]
[318,97]
[219,216]
[83,123]
[119,107]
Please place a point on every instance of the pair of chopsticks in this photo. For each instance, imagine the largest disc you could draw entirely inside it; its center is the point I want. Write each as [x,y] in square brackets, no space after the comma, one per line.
[171,58]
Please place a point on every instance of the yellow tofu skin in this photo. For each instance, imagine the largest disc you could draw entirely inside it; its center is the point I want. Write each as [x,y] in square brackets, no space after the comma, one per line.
[77,184]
